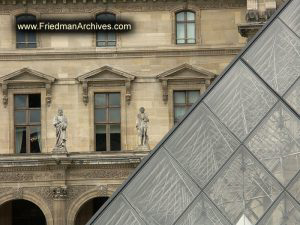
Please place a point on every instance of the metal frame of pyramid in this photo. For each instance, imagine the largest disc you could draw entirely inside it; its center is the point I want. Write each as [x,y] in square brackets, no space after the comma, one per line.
[236,153]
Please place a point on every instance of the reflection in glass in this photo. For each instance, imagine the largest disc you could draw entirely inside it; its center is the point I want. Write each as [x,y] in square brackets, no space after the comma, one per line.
[100,138]
[180,16]
[180,31]
[100,115]
[179,97]
[100,99]
[179,112]
[115,138]
[20,117]
[193,96]
[35,140]
[35,116]
[20,140]
[20,101]
[114,115]
[114,99]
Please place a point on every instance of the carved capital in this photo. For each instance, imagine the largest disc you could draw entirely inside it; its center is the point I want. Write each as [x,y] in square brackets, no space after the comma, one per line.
[252,16]
[59,193]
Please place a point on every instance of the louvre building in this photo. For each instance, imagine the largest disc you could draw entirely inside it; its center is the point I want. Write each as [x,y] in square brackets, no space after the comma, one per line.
[234,158]
[229,129]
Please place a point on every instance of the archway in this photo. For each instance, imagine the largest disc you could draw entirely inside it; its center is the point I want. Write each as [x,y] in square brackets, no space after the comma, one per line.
[88,209]
[21,212]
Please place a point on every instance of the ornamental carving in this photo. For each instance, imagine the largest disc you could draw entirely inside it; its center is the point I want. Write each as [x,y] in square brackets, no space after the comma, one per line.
[100,173]
[59,193]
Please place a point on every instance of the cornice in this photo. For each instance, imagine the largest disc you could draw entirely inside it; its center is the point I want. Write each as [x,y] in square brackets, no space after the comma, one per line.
[88,6]
[122,53]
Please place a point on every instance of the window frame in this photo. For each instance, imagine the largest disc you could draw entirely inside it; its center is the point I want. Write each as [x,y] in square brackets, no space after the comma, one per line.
[26,42]
[185,22]
[186,105]
[106,33]
[107,123]
[28,125]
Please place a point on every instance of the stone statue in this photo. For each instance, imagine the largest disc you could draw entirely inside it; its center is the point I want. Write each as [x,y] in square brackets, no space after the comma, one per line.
[142,127]
[60,122]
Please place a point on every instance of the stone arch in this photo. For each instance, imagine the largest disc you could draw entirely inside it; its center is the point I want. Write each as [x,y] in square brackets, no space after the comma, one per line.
[32,198]
[80,201]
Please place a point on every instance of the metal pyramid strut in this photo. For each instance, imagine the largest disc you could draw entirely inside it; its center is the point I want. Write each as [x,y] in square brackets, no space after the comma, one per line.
[235,156]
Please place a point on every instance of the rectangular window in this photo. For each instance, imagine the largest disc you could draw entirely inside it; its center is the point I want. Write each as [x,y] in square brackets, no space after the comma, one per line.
[27,117]
[107,121]
[183,100]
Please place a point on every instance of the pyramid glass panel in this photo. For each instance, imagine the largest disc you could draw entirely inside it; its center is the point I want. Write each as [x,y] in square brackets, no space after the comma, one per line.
[243,187]
[240,100]
[292,96]
[161,191]
[275,56]
[276,143]
[284,212]
[202,212]
[294,188]
[201,144]
[120,213]
[233,160]
[291,16]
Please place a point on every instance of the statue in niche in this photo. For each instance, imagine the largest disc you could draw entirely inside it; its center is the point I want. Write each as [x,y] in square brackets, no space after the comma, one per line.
[60,123]
[142,128]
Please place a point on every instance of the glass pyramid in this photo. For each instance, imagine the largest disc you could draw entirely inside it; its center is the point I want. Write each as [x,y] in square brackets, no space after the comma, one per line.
[234,159]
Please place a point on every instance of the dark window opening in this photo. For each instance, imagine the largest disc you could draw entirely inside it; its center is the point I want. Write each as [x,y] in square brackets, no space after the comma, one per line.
[106,39]
[27,110]
[26,39]
[183,100]
[107,121]
[185,27]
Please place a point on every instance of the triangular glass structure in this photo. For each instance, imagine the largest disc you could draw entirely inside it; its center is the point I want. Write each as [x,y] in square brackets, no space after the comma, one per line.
[234,159]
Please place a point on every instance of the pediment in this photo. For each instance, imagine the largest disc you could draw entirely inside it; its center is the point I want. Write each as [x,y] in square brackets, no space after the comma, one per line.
[186,72]
[26,75]
[105,73]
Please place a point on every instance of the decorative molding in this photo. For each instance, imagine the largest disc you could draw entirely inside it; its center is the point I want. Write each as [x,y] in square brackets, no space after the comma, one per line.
[26,78]
[248,30]
[106,75]
[175,75]
[177,51]
[59,193]
[118,5]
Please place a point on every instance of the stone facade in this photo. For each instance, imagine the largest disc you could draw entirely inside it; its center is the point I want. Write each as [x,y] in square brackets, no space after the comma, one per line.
[145,67]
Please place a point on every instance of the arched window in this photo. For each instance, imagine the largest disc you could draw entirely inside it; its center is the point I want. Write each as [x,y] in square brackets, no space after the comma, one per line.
[25,39]
[106,39]
[185,27]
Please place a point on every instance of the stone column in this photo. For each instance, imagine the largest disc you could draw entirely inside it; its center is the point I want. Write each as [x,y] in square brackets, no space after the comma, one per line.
[59,195]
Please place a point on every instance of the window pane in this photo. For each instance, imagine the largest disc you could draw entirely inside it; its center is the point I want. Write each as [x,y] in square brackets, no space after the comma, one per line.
[34,101]
[100,138]
[180,31]
[20,101]
[181,41]
[32,45]
[100,100]
[179,97]
[180,16]
[191,30]
[35,116]
[101,43]
[178,113]
[193,96]
[106,17]
[20,36]
[190,16]
[20,140]
[115,138]
[20,117]
[100,115]
[20,45]
[114,115]
[101,36]
[111,36]
[35,140]
[31,37]
[114,99]
[191,41]
[111,43]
